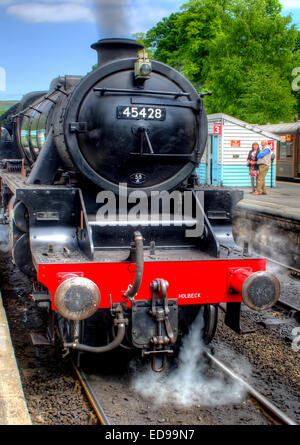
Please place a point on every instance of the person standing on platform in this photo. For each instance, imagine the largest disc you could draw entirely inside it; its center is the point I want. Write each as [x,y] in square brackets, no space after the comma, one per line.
[252,164]
[263,162]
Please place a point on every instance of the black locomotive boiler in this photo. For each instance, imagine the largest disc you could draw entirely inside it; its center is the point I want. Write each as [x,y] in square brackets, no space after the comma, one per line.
[85,157]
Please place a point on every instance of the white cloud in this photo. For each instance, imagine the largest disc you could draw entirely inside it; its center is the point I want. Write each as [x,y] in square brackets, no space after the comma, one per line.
[144,17]
[59,2]
[58,13]
[290,4]
[139,15]
[112,2]
[133,15]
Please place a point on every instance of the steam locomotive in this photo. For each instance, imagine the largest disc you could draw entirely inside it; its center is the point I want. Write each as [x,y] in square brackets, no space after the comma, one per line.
[106,215]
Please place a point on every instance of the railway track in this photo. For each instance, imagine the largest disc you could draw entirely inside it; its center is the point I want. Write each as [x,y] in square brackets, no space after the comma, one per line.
[263,401]
[267,406]
[295,271]
[94,401]
[283,303]
[290,307]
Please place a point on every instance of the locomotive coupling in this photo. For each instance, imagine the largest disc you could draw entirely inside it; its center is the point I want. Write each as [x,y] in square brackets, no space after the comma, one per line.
[260,290]
[77,298]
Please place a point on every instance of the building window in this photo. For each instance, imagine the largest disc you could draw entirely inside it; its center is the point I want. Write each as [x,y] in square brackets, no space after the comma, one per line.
[285,150]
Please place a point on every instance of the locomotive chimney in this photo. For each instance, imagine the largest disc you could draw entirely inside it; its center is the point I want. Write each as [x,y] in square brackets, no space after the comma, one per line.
[113,49]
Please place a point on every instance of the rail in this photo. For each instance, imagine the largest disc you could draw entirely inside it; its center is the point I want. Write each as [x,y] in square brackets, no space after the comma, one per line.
[94,401]
[293,269]
[282,303]
[260,398]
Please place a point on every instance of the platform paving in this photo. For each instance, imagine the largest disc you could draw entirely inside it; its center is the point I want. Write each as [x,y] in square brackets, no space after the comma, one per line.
[282,200]
[13,408]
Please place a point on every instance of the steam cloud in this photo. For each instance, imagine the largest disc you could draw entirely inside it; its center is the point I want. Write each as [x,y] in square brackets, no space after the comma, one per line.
[112,17]
[266,239]
[188,385]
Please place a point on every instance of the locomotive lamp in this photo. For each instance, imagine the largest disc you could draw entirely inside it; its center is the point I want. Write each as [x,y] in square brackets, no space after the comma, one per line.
[143,66]
[77,298]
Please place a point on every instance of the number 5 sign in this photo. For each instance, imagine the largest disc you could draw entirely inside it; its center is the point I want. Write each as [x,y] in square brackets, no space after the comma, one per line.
[217,129]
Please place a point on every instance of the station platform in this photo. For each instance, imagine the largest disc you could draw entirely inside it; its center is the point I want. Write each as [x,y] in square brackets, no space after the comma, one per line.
[281,201]
[271,223]
[13,408]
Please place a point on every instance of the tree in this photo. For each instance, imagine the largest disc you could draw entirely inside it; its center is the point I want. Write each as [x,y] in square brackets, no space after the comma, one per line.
[273,7]
[250,63]
[297,45]
[165,42]
[244,51]
[181,39]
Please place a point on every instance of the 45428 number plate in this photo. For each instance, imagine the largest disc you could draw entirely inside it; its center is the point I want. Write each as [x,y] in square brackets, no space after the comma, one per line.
[147,113]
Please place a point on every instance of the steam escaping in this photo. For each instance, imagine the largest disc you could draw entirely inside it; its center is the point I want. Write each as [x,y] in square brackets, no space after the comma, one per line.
[268,236]
[188,385]
[112,18]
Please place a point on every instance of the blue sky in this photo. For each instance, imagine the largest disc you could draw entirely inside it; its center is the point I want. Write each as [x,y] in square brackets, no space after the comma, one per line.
[41,39]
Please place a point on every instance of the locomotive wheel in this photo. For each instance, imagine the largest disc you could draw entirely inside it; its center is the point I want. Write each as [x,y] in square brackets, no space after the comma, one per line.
[21,254]
[210,322]
[207,325]
[97,330]
[20,217]
[69,330]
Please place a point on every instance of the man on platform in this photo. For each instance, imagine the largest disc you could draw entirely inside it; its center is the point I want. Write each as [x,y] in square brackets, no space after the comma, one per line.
[263,162]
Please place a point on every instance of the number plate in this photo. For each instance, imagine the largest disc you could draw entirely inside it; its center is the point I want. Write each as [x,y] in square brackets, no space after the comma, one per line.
[147,113]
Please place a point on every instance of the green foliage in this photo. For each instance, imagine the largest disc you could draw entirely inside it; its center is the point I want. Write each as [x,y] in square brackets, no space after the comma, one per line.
[3,109]
[181,40]
[244,51]
[140,38]
[297,45]
[273,7]
[296,80]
